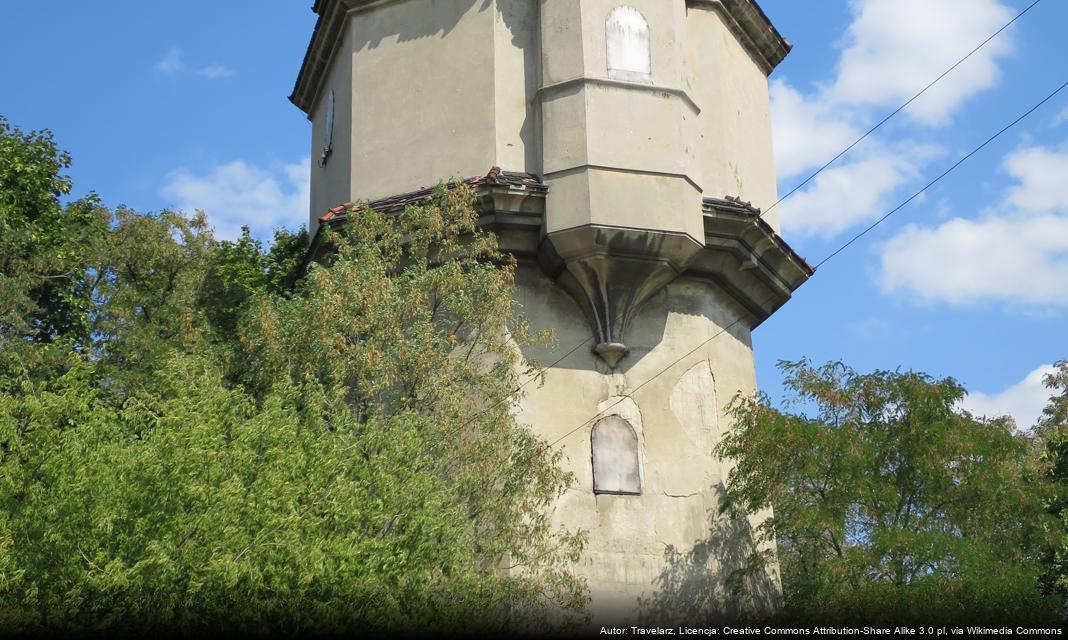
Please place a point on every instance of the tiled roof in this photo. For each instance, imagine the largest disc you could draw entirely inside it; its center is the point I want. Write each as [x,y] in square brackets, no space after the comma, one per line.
[495,177]
[737,206]
[733,204]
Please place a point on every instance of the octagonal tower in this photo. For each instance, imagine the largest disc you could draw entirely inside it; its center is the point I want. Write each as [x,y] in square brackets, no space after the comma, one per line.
[622,152]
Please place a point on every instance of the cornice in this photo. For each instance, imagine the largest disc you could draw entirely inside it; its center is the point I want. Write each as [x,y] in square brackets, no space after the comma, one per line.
[751,26]
[641,87]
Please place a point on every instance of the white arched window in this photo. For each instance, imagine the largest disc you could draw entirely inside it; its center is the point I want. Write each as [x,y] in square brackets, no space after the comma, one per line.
[615,457]
[627,37]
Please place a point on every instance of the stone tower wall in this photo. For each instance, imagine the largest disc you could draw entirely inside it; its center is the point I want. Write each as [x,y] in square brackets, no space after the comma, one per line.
[678,418]
[502,90]
[644,126]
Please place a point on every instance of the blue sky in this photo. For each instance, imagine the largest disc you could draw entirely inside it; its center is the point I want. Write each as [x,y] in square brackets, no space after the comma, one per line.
[184,105]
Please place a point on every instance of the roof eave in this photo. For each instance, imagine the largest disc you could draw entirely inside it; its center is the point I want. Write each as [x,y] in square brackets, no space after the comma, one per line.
[753,29]
[324,39]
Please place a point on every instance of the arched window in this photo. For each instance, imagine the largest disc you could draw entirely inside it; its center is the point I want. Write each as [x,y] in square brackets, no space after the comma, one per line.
[627,36]
[615,457]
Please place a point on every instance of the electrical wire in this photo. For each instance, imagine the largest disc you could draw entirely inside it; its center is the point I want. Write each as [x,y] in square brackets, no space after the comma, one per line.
[830,256]
[900,108]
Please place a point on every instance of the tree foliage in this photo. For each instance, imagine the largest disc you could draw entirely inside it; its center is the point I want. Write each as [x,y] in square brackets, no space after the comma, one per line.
[889,501]
[191,438]
[1052,432]
[42,268]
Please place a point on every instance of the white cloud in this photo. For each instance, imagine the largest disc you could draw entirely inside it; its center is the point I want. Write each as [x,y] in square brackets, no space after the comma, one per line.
[1061,117]
[893,48]
[1023,401]
[1014,259]
[1016,253]
[807,132]
[215,71]
[896,47]
[239,193]
[173,63]
[855,192]
[1043,179]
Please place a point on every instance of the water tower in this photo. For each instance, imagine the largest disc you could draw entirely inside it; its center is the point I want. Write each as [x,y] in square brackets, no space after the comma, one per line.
[622,152]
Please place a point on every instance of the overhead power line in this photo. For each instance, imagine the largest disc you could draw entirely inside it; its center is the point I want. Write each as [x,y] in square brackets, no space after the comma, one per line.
[809,179]
[900,108]
[830,256]
[858,141]
[943,174]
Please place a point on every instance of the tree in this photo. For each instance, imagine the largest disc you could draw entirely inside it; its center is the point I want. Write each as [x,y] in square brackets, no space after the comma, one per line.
[410,335]
[242,269]
[890,503]
[42,242]
[1052,432]
[215,444]
[95,279]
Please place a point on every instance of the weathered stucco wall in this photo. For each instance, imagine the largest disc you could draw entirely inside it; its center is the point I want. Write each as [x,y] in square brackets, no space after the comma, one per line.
[331,183]
[516,74]
[526,86]
[423,95]
[629,142]
[416,100]
[678,418]
[615,151]
[732,135]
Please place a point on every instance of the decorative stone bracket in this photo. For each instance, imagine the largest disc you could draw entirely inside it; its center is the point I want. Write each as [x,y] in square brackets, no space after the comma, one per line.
[611,271]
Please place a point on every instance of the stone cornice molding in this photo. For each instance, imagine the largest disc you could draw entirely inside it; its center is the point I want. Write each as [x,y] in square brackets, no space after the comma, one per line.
[627,85]
[751,26]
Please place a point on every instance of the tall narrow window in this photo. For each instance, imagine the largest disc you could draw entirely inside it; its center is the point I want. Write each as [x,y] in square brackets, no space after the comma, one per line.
[615,457]
[328,129]
[627,36]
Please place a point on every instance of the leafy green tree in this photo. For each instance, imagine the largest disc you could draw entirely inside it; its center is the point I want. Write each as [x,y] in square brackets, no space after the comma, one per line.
[215,444]
[149,272]
[411,332]
[122,285]
[43,292]
[890,503]
[194,506]
[1052,431]
[242,269]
